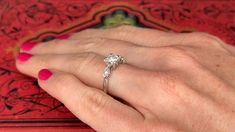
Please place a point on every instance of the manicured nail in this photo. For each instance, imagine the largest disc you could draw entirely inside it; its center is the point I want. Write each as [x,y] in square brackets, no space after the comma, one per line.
[28,46]
[23,57]
[63,37]
[44,74]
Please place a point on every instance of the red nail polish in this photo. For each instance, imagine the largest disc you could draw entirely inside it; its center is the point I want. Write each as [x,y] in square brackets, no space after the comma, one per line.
[44,74]
[23,57]
[28,46]
[63,37]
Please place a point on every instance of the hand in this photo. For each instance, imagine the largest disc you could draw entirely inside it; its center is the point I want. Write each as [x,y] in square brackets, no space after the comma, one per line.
[171,81]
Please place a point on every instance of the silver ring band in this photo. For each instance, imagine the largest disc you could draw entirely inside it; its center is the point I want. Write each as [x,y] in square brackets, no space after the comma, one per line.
[105,85]
[112,61]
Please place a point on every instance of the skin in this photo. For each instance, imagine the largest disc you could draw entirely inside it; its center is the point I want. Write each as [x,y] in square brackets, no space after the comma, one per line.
[172,82]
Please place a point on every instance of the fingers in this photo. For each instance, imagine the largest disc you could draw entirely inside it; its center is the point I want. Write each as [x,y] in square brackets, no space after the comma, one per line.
[150,37]
[87,103]
[125,81]
[140,36]
[138,56]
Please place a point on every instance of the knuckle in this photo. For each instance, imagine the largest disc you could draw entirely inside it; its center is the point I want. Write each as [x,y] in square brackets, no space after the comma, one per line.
[93,43]
[35,63]
[60,83]
[62,79]
[86,33]
[44,60]
[169,83]
[80,62]
[91,59]
[202,35]
[178,56]
[94,101]
[205,39]
[123,31]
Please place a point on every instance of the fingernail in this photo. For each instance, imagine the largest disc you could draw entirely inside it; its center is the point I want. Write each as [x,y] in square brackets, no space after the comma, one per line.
[28,46]
[63,37]
[44,74]
[23,57]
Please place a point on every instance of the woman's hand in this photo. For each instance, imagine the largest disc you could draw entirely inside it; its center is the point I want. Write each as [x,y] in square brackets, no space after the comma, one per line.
[171,81]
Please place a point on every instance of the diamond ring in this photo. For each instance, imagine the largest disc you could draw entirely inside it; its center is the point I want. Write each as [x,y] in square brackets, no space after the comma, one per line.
[112,61]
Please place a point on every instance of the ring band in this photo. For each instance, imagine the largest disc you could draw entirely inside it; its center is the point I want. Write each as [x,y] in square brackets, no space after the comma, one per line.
[112,61]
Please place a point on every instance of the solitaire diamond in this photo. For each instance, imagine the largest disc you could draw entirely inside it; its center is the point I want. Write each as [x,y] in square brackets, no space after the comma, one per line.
[112,59]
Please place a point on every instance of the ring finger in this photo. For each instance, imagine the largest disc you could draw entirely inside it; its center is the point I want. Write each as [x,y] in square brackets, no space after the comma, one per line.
[88,68]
